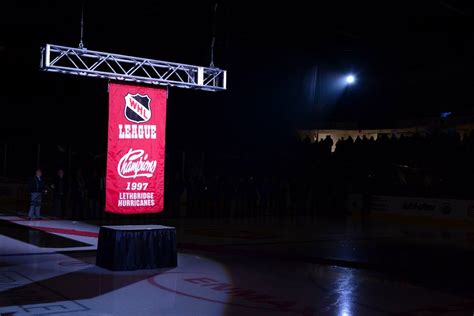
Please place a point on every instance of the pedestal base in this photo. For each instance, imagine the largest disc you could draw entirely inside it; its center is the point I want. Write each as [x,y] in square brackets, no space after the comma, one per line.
[134,247]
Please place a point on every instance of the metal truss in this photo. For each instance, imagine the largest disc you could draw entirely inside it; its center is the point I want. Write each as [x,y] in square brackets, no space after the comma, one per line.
[84,62]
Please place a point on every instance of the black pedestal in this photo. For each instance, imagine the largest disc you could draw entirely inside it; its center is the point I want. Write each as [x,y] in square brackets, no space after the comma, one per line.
[134,247]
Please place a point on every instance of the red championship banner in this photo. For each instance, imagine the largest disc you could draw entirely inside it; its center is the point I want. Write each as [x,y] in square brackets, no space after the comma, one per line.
[136,149]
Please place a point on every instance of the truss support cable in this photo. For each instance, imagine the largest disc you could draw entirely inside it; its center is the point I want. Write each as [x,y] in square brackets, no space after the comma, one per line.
[81,43]
[213,35]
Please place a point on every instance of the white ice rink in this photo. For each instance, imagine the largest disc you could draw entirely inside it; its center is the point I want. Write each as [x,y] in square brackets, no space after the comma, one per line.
[223,269]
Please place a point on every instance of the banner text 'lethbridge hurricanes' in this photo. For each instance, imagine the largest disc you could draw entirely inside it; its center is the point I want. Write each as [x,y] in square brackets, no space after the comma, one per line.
[136,149]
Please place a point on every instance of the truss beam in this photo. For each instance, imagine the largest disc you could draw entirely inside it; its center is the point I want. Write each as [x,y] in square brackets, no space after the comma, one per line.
[84,62]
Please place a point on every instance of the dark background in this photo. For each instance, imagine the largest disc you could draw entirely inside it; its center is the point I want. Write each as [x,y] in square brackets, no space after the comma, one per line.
[413,59]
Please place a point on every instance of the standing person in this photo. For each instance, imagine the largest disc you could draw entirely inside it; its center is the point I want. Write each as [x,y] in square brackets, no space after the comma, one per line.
[78,194]
[93,188]
[60,190]
[37,188]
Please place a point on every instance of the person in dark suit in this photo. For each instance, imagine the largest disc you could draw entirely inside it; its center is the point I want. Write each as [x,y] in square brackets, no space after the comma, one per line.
[78,194]
[60,190]
[37,188]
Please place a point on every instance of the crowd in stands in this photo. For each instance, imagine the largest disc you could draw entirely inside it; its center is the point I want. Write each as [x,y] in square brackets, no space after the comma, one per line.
[309,178]
[437,164]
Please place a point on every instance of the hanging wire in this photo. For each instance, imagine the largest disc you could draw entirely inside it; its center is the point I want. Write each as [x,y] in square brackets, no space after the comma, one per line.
[213,35]
[212,52]
[81,44]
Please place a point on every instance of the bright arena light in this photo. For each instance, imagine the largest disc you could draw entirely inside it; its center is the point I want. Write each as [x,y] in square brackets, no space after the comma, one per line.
[350,79]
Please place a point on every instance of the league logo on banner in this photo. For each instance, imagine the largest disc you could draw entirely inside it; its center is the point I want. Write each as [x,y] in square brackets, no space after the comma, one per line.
[137,108]
[135,149]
